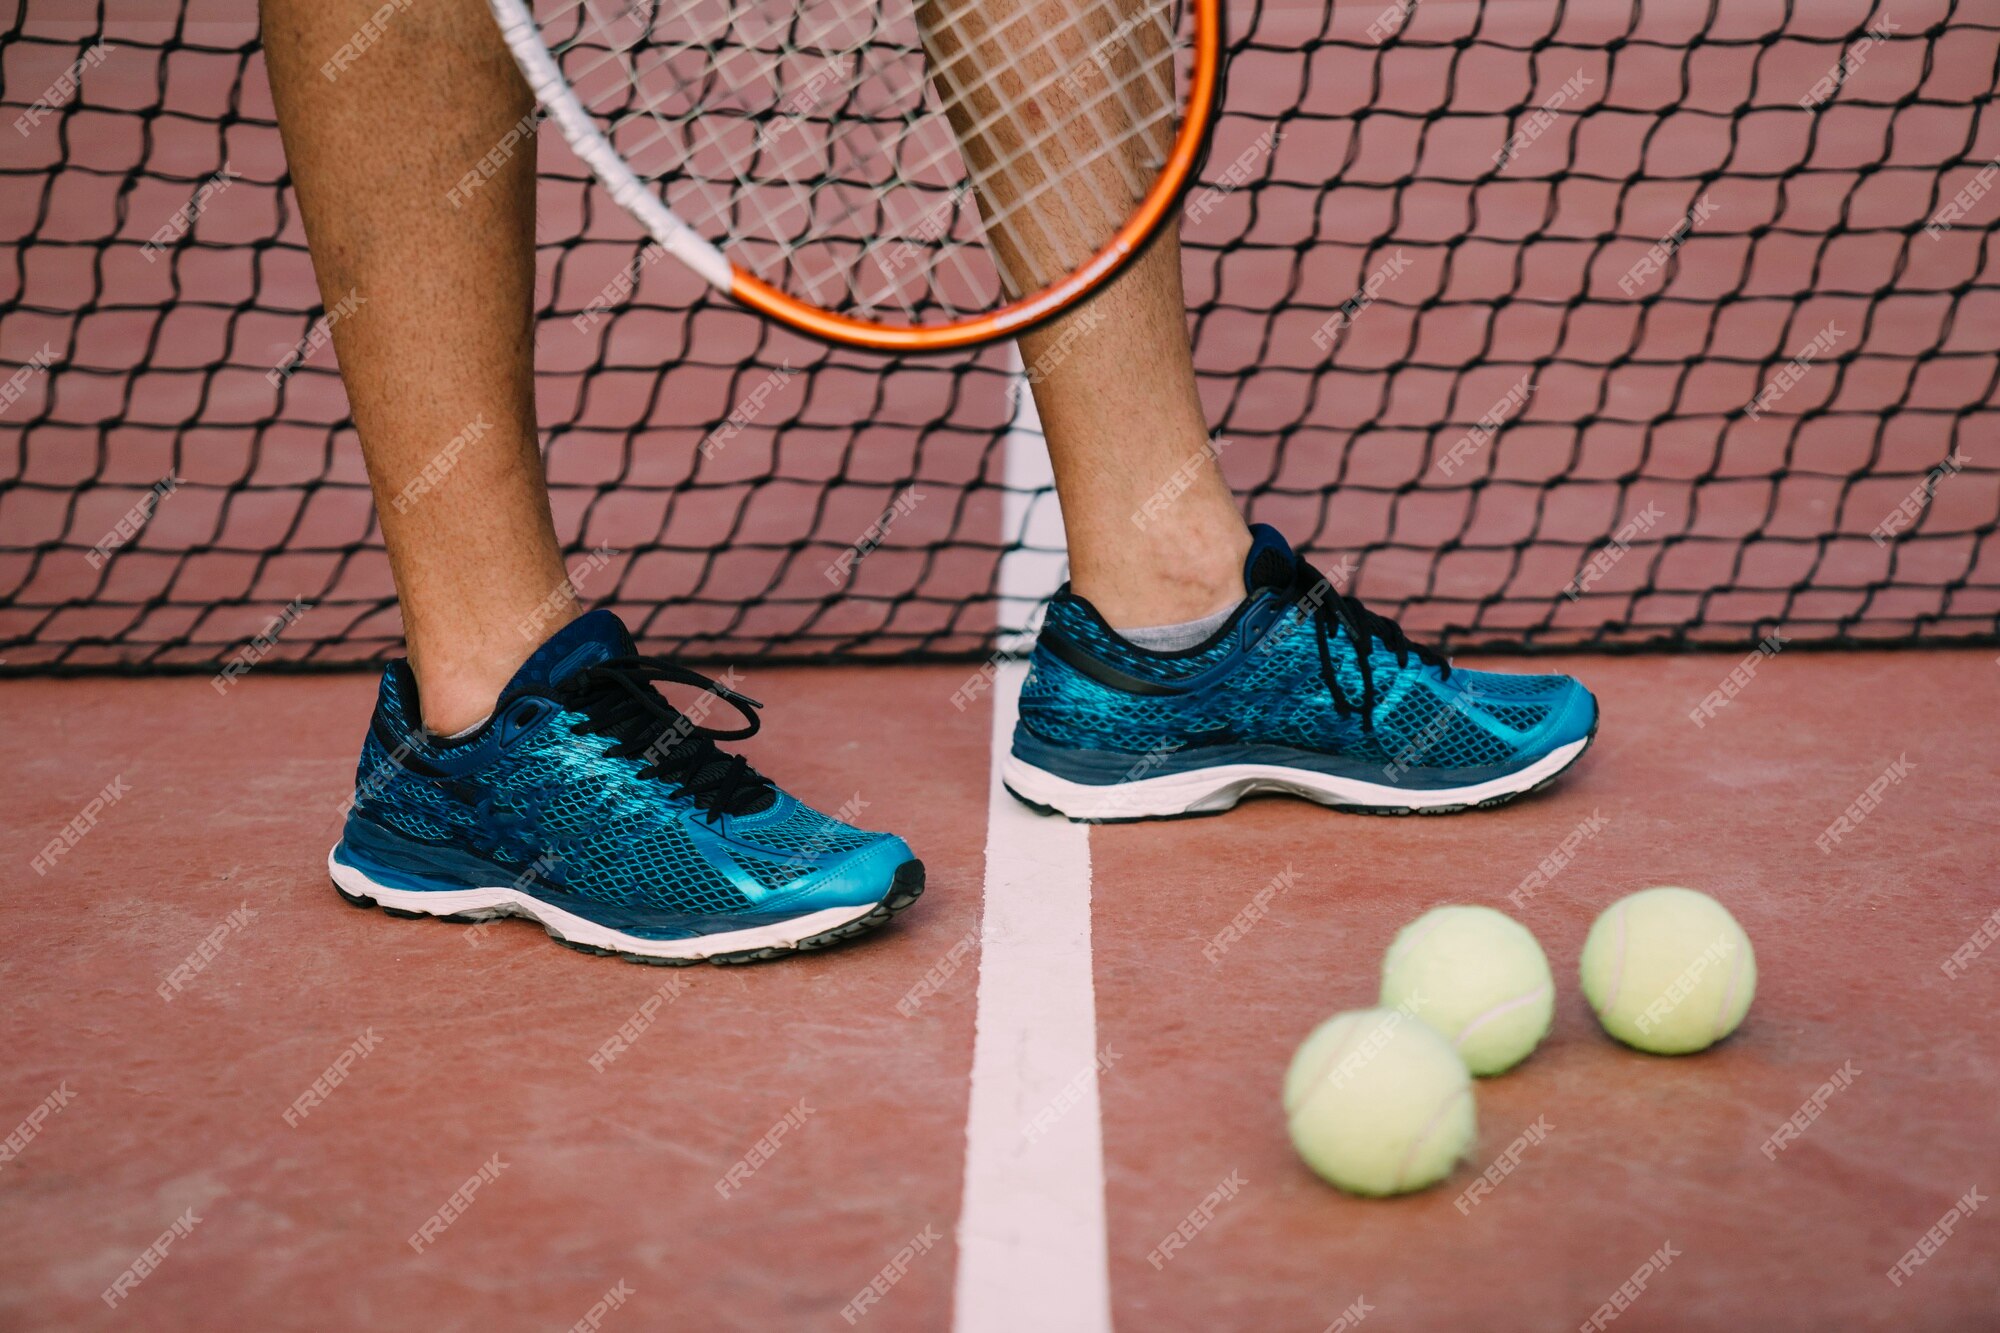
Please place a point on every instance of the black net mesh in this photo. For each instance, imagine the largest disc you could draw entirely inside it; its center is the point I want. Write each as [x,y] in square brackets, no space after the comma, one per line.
[1572,325]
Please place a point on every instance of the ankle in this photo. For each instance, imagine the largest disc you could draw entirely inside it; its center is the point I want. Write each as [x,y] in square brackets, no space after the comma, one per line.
[1143,587]
[453,704]
[464,649]
[458,688]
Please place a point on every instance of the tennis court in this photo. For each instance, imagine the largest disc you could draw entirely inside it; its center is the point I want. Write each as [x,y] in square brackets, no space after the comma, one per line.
[1579,254]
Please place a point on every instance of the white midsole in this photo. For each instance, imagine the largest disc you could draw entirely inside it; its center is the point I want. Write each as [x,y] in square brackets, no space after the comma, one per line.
[1218,788]
[499,902]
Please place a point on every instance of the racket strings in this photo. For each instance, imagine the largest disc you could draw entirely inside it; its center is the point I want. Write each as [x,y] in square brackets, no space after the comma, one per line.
[1050,178]
[1008,200]
[765,226]
[926,160]
[1091,107]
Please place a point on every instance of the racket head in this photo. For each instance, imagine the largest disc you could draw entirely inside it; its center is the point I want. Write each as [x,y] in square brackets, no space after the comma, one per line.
[805,159]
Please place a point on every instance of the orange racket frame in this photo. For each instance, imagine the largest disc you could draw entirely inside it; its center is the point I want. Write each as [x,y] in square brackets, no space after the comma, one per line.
[638,197]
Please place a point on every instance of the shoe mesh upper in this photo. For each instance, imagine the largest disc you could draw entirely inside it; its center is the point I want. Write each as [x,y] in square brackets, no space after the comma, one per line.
[1271,691]
[610,834]
[803,831]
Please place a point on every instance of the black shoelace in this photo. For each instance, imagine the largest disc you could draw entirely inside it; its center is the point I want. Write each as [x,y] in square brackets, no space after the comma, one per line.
[618,699]
[1313,594]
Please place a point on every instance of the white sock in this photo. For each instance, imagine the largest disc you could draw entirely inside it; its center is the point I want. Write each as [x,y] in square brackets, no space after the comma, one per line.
[1173,638]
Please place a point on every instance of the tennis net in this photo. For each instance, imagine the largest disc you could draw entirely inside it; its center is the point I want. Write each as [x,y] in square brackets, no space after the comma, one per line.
[1561,325]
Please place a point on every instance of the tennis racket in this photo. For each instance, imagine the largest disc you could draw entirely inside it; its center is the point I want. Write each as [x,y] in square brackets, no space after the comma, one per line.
[903,175]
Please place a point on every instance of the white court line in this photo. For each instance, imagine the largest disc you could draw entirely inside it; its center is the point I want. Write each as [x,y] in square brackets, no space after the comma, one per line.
[1031,1232]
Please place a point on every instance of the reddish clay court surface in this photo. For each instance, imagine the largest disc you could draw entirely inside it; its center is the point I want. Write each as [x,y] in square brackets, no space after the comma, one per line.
[475,1049]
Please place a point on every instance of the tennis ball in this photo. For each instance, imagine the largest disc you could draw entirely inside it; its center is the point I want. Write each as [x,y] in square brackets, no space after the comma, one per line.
[1668,971]
[1377,1103]
[1479,978]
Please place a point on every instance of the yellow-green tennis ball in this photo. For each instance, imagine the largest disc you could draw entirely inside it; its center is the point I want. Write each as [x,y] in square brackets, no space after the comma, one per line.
[1479,978]
[1377,1103]
[1668,971]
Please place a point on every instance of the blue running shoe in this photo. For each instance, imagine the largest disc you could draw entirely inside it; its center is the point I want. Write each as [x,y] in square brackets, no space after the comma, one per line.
[592,805]
[1304,691]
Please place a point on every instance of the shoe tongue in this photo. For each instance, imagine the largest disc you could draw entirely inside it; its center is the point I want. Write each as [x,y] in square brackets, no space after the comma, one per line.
[1270,562]
[594,637]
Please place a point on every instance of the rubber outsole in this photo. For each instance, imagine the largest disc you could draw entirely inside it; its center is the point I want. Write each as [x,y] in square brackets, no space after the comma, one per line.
[905,887]
[1344,807]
